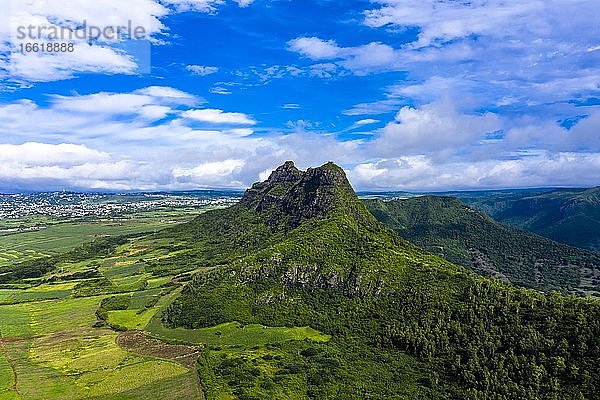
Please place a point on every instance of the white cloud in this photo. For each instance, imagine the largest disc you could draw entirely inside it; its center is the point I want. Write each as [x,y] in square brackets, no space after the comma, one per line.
[215,173]
[367,121]
[202,70]
[152,103]
[41,154]
[112,103]
[205,6]
[101,57]
[220,90]
[433,128]
[38,166]
[110,120]
[422,173]
[45,67]
[446,20]
[325,70]
[167,93]
[361,59]
[374,108]
[107,55]
[315,48]
[485,53]
[431,146]
[239,132]
[219,117]
[244,3]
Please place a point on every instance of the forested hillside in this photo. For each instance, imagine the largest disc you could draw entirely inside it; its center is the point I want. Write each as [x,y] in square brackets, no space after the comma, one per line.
[464,236]
[301,249]
[571,216]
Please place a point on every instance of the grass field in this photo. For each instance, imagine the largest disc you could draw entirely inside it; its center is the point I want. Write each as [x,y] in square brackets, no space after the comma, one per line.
[234,335]
[56,353]
[59,237]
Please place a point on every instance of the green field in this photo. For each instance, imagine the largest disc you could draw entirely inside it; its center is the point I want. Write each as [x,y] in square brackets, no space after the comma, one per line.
[56,349]
[56,237]
[58,342]
[235,335]
[56,353]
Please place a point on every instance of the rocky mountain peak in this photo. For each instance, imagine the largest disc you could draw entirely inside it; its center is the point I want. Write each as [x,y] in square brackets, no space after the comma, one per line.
[291,196]
[285,173]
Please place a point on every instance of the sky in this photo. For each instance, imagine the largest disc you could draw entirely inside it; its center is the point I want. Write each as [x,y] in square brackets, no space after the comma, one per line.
[426,95]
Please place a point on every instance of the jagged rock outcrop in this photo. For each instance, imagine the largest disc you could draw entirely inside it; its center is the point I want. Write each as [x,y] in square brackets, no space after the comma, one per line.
[291,196]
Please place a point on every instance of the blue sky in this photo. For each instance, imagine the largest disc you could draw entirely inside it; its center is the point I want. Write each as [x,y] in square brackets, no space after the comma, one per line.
[428,95]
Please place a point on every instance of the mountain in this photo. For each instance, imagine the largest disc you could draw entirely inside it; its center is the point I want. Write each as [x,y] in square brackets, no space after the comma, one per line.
[464,236]
[302,250]
[569,216]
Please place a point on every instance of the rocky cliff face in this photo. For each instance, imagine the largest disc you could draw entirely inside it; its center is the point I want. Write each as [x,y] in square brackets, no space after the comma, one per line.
[291,196]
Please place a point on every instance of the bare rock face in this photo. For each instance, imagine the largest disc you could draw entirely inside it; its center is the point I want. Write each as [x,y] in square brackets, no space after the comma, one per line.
[291,196]
[279,182]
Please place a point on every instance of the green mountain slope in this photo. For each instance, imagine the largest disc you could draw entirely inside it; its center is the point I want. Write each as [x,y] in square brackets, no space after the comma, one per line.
[464,236]
[302,250]
[570,216]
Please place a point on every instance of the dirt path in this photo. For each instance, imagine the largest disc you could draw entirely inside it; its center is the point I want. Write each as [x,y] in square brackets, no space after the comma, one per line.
[10,362]
[139,342]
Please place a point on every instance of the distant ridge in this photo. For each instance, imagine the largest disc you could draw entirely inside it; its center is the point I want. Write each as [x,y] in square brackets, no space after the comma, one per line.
[464,236]
[570,216]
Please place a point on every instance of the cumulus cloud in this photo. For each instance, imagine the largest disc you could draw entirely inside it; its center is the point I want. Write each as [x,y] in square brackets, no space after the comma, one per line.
[433,128]
[361,59]
[112,103]
[216,173]
[153,103]
[442,21]
[45,67]
[30,153]
[494,53]
[150,116]
[58,145]
[83,141]
[421,173]
[103,57]
[43,166]
[315,48]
